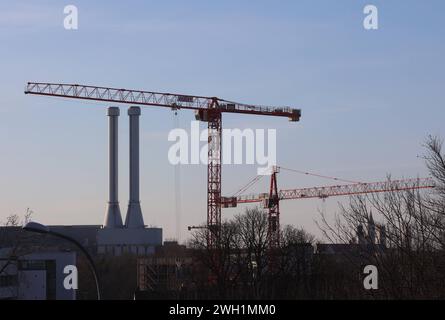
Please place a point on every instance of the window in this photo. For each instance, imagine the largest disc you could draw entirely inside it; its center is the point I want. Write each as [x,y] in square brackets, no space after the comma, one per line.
[32,265]
[8,281]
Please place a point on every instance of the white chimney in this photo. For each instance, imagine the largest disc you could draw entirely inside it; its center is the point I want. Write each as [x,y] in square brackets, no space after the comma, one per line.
[113,217]
[134,217]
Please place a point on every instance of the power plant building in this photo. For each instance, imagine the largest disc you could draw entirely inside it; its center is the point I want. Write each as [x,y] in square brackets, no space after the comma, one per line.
[134,237]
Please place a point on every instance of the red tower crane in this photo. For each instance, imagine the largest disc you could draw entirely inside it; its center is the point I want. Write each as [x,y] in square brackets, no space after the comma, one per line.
[208,109]
[271,200]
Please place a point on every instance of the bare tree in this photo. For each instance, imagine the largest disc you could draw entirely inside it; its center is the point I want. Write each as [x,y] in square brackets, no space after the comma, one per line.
[221,261]
[292,277]
[409,254]
[241,263]
[252,227]
[10,240]
[435,162]
[435,201]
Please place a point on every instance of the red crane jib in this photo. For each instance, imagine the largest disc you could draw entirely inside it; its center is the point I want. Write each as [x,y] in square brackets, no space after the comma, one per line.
[159,99]
[333,191]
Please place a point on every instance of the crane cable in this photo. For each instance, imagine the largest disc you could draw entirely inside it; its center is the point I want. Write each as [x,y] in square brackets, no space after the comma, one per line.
[320,176]
[258,178]
[177,183]
[248,185]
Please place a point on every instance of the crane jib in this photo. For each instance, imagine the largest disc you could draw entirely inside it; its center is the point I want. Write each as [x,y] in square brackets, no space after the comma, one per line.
[157,99]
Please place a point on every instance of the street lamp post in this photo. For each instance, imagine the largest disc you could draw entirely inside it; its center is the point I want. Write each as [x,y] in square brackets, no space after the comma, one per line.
[40,228]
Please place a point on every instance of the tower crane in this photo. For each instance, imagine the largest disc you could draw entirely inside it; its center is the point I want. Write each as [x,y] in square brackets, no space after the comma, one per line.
[207,109]
[271,200]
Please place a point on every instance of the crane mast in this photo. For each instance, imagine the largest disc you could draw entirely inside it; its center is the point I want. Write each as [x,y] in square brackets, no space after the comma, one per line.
[273,204]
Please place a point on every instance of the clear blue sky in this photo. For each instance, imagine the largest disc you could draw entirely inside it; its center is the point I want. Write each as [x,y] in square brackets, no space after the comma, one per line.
[369,98]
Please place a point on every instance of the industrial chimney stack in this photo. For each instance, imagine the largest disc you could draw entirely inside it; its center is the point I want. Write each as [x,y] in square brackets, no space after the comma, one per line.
[134,218]
[113,217]
[132,237]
